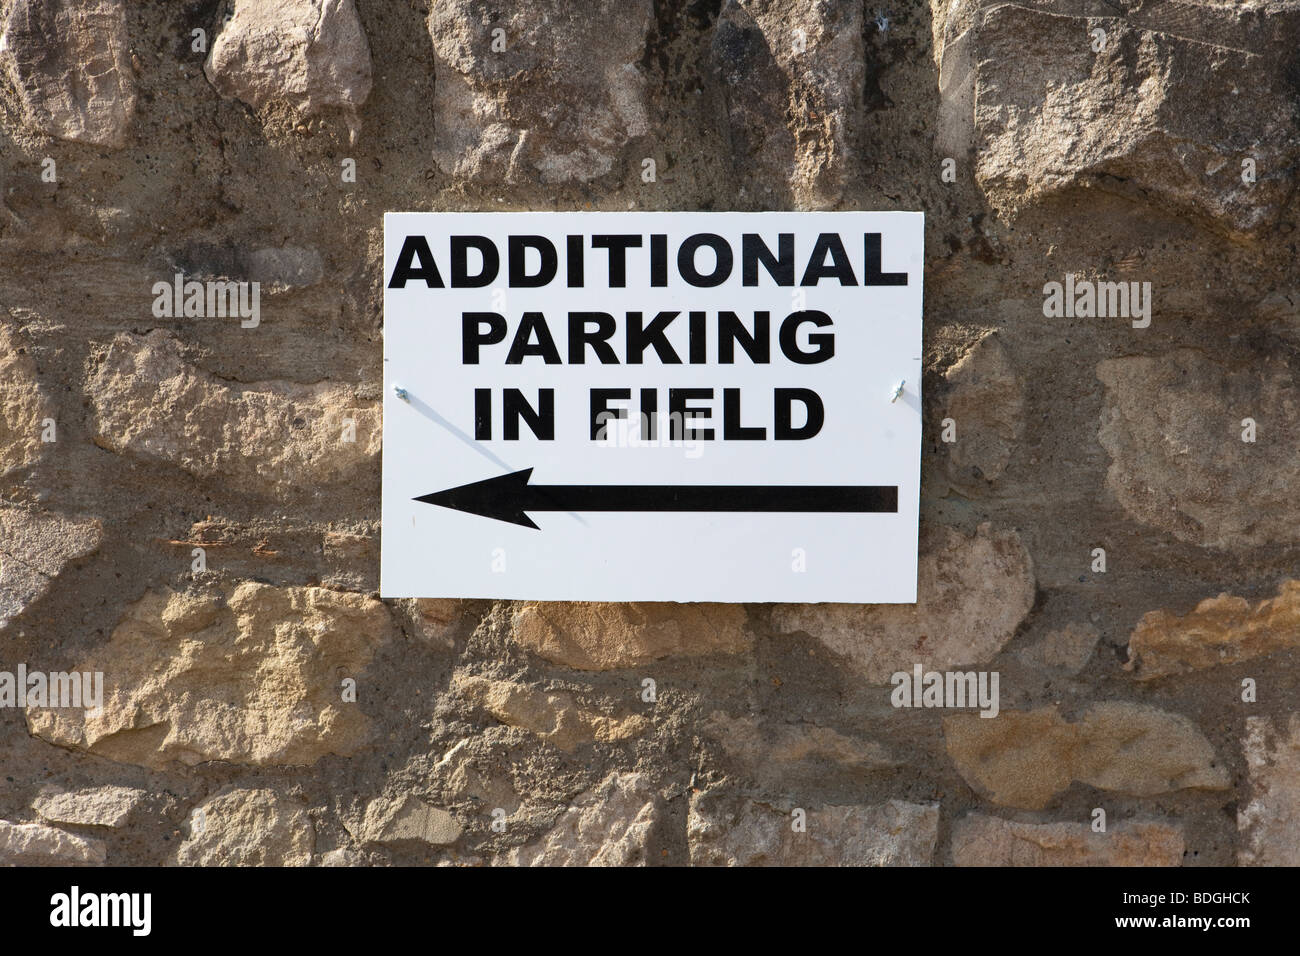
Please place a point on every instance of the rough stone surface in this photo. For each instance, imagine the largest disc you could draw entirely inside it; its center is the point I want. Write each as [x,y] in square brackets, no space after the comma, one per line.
[288,267]
[556,718]
[1066,650]
[519,111]
[249,677]
[1027,758]
[773,751]
[247,828]
[307,55]
[32,844]
[34,547]
[1270,821]
[986,404]
[276,269]
[972,594]
[273,437]
[980,840]
[1218,631]
[802,60]
[69,63]
[437,618]
[1161,112]
[407,819]
[108,806]
[895,833]
[24,406]
[606,826]
[344,856]
[601,637]
[1172,425]
[466,775]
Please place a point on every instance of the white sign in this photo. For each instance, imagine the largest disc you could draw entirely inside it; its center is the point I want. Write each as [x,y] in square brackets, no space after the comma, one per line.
[652,406]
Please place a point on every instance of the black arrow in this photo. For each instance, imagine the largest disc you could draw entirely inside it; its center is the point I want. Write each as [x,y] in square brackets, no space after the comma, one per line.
[508,497]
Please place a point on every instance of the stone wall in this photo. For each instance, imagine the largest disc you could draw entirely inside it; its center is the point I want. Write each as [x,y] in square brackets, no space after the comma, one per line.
[1156,681]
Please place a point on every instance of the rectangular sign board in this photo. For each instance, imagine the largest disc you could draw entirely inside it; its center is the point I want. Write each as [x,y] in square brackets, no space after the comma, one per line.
[620,406]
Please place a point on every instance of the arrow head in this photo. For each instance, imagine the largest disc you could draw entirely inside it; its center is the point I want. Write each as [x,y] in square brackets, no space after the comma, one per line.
[501,498]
